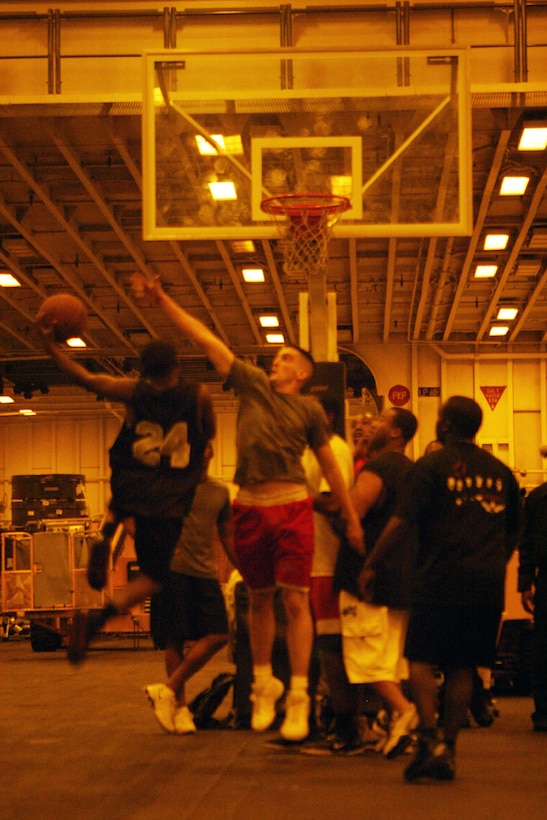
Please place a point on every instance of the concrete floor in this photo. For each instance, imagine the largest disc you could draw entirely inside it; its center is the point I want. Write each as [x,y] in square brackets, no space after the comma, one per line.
[83,743]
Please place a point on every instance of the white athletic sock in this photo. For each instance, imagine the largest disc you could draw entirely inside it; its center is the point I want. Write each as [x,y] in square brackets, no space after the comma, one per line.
[299,682]
[263,674]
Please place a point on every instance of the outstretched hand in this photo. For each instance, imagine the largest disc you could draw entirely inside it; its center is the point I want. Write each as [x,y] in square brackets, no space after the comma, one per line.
[143,289]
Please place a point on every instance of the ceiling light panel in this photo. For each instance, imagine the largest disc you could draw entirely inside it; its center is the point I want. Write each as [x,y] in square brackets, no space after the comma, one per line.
[485,271]
[496,241]
[507,314]
[533,137]
[253,274]
[514,185]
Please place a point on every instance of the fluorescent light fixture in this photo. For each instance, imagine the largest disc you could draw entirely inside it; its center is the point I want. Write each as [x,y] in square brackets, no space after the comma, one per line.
[222,190]
[499,330]
[268,321]
[204,146]
[75,341]
[485,271]
[9,281]
[507,314]
[6,399]
[231,144]
[243,246]
[533,137]
[514,185]
[341,185]
[253,274]
[538,240]
[496,241]
[26,411]
[275,338]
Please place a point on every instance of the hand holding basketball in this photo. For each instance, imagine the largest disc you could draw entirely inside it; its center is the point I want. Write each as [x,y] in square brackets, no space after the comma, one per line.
[64,314]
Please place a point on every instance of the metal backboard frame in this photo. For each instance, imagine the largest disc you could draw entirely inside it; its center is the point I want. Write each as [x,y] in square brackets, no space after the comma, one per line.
[391,127]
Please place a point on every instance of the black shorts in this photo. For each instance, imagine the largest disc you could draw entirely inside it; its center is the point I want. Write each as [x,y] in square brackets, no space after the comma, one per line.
[155,542]
[192,608]
[453,637]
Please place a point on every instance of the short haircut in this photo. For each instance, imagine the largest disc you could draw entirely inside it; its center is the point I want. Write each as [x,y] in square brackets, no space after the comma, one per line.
[405,421]
[305,353]
[158,359]
[463,415]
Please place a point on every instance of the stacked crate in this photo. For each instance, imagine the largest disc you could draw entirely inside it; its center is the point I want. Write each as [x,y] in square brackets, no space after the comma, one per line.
[36,498]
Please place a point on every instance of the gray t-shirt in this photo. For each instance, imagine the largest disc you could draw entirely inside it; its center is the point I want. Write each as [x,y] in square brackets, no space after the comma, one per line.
[211,509]
[273,429]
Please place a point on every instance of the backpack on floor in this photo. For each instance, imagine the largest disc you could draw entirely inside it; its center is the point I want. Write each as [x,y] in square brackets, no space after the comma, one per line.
[205,704]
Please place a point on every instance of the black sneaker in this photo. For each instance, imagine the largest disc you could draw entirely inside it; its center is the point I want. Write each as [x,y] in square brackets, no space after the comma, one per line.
[347,746]
[335,747]
[434,760]
[482,708]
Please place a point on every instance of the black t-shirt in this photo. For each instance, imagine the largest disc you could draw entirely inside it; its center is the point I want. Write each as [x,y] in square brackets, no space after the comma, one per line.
[533,546]
[157,458]
[391,583]
[467,507]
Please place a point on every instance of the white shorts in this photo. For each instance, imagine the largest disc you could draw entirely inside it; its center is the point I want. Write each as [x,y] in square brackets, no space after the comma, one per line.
[373,640]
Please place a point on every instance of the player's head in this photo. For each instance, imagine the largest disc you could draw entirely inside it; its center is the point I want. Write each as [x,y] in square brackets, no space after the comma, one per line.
[392,429]
[459,418]
[291,367]
[405,421]
[361,429]
[158,360]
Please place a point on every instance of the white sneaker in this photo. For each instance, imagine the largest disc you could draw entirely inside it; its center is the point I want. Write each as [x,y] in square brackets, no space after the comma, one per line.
[184,721]
[297,712]
[400,732]
[163,702]
[380,727]
[264,700]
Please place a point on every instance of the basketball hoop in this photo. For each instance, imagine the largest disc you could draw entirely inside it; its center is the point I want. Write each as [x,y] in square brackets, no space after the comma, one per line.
[311,218]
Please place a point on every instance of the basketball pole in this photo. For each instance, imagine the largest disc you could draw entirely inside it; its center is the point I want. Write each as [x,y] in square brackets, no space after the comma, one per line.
[317,313]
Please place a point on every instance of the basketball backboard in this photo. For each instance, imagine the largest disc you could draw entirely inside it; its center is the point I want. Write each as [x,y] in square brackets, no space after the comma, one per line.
[390,130]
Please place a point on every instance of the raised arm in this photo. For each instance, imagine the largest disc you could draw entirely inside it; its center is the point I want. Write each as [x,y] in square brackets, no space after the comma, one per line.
[218,353]
[111,387]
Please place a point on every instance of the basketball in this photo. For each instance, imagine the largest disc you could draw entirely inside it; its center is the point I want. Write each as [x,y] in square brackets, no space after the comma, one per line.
[66,313]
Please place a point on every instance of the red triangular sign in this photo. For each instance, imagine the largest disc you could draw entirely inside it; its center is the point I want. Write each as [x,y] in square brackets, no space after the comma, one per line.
[492,394]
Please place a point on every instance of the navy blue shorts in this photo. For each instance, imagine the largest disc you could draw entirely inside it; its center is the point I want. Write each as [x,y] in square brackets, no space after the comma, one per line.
[155,542]
[453,637]
[192,608]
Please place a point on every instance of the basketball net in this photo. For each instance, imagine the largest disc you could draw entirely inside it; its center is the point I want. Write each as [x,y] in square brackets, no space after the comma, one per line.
[306,229]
